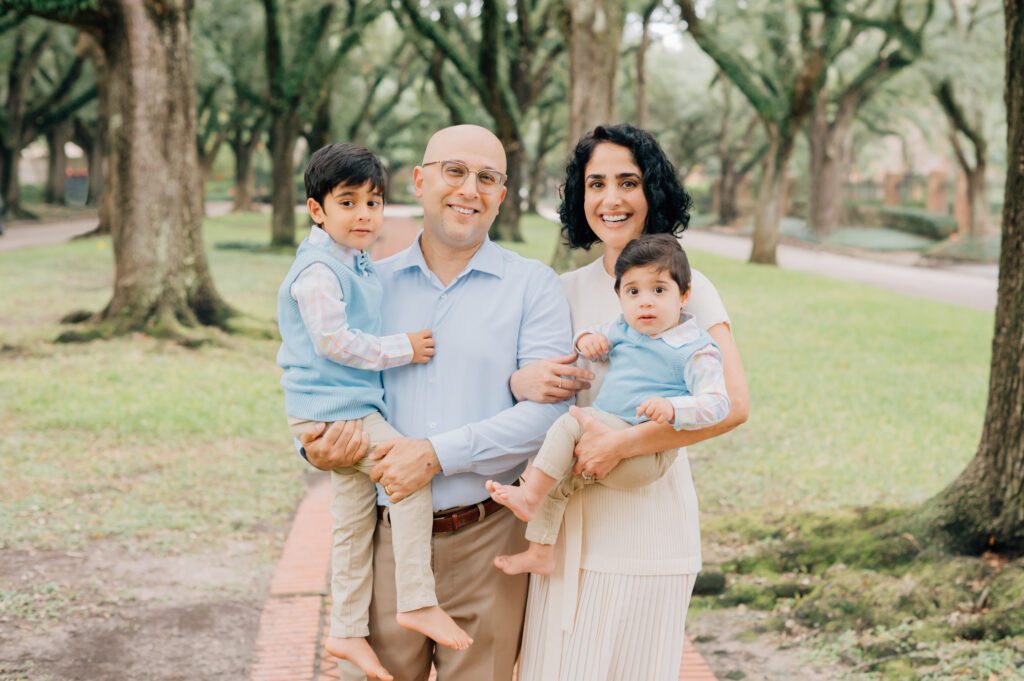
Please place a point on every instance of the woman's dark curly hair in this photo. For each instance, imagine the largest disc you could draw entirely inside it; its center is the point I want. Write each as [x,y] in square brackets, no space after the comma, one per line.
[668,204]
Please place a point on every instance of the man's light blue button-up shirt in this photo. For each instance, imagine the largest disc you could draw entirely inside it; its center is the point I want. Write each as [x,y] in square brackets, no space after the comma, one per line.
[502,312]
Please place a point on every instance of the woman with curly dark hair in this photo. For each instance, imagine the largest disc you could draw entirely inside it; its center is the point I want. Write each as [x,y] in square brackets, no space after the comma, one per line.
[614,610]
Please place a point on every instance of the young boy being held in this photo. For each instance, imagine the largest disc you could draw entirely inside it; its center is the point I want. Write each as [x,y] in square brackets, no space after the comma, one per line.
[332,356]
[664,368]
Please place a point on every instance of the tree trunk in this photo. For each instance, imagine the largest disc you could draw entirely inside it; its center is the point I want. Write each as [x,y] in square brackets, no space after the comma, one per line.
[506,226]
[641,65]
[728,184]
[57,162]
[244,189]
[983,509]
[11,189]
[831,147]
[320,131]
[283,132]
[536,183]
[594,34]
[89,141]
[162,282]
[770,197]
[979,223]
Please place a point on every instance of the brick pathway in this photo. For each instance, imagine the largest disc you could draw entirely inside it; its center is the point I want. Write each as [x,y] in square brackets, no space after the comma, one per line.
[294,619]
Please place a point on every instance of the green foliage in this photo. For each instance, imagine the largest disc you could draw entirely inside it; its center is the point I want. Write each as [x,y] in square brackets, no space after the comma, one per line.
[903,218]
[970,249]
[916,221]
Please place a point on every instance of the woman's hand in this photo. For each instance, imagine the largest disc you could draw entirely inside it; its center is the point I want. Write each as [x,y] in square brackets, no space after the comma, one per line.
[342,444]
[598,450]
[549,380]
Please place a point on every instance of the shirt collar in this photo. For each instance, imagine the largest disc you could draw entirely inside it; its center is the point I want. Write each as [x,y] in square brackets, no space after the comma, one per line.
[685,332]
[349,256]
[487,259]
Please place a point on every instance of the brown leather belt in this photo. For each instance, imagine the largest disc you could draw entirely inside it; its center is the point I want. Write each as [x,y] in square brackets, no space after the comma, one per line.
[457,518]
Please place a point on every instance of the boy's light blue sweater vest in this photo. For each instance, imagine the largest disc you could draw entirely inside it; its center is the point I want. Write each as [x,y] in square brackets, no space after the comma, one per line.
[318,388]
[643,367]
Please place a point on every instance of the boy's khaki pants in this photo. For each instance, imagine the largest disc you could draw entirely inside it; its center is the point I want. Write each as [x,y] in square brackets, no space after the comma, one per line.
[556,459]
[354,509]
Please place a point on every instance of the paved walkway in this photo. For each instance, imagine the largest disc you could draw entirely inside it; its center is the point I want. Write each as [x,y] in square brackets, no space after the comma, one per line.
[31,233]
[293,625]
[968,285]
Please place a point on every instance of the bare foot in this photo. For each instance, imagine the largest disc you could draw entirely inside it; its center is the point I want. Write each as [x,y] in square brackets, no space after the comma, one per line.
[521,500]
[538,559]
[358,652]
[436,624]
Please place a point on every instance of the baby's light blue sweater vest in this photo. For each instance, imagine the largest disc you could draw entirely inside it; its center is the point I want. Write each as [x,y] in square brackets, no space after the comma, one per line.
[318,388]
[643,367]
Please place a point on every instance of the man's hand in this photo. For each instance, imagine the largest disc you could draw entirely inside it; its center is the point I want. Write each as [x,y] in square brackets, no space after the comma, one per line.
[342,444]
[594,346]
[598,450]
[406,464]
[422,346]
[549,380]
[657,409]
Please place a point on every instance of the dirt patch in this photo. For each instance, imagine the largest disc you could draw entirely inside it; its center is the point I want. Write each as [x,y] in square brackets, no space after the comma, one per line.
[108,613]
[736,646]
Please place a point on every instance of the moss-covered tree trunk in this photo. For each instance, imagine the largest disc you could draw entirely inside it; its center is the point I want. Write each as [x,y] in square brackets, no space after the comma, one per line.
[984,507]
[162,281]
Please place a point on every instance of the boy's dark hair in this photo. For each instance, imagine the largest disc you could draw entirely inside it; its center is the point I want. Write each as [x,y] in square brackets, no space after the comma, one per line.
[668,204]
[343,163]
[661,250]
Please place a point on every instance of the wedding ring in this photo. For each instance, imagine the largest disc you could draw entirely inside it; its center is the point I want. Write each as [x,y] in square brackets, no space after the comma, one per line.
[560,382]
[587,477]
[387,490]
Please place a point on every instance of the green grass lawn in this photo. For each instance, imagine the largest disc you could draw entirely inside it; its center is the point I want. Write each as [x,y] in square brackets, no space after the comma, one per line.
[859,397]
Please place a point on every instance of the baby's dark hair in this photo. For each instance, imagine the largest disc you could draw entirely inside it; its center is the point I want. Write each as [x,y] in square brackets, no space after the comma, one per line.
[668,204]
[661,250]
[343,164]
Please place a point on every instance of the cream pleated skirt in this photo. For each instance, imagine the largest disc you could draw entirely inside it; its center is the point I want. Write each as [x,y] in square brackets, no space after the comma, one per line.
[627,627]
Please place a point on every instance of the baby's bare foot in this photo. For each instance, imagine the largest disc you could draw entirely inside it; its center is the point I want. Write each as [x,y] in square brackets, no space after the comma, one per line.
[519,499]
[538,559]
[358,652]
[436,624]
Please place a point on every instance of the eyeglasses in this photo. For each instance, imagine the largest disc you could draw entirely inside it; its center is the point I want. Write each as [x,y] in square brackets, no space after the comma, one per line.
[455,173]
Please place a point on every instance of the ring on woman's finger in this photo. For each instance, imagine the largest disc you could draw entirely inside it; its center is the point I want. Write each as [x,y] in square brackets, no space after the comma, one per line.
[387,490]
[560,382]
[588,477]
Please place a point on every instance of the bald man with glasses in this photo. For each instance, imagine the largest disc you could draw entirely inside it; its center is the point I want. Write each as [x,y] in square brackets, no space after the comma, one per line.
[491,312]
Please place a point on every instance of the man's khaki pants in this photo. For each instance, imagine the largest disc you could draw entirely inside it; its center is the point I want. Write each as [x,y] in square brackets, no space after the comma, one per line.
[483,600]
[354,509]
[556,460]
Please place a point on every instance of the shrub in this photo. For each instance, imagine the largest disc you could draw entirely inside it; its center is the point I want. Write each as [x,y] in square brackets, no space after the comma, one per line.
[917,221]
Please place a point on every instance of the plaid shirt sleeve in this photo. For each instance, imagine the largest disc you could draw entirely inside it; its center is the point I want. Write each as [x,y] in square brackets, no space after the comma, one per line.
[322,307]
[708,402]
